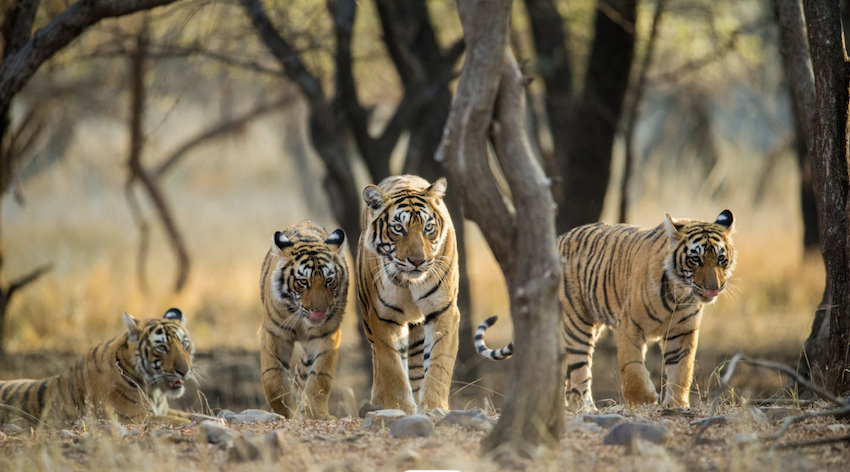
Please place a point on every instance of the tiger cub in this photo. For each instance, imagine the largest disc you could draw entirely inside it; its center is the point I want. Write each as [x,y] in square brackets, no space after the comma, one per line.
[407,285]
[304,290]
[127,379]
[647,285]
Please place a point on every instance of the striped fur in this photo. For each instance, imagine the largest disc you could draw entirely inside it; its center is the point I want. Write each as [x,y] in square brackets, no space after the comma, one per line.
[304,290]
[647,285]
[125,379]
[407,284]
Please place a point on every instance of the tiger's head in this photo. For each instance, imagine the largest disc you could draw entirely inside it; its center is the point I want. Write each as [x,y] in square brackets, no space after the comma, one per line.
[406,228]
[163,350]
[311,278]
[702,256]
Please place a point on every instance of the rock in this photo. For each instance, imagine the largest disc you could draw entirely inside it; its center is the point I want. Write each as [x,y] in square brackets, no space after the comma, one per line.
[227,415]
[751,415]
[197,418]
[625,433]
[413,426]
[368,408]
[469,419]
[578,424]
[712,421]
[213,432]
[605,421]
[243,449]
[740,439]
[66,434]
[256,416]
[382,418]
[11,429]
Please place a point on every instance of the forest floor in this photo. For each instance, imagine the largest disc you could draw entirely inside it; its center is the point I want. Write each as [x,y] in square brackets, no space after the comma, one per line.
[343,445]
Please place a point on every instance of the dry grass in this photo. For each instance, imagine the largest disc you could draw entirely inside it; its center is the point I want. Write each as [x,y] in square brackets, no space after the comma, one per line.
[340,445]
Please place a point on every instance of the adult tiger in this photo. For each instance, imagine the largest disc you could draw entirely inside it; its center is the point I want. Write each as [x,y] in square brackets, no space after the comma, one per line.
[304,290]
[407,284]
[646,284]
[127,379]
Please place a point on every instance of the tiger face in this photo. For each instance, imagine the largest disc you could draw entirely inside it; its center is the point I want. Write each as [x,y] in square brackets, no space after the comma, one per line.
[163,351]
[702,256]
[406,229]
[310,276]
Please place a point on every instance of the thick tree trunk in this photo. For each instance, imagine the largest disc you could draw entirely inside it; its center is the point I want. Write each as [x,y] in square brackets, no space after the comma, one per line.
[830,172]
[586,166]
[533,410]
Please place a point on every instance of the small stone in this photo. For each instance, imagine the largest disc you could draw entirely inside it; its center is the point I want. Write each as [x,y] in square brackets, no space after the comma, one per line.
[256,416]
[197,418]
[469,419]
[227,415]
[712,421]
[604,421]
[66,434]
[11,429]
[625,433]
[367,408]
[741,439]
[170,436]
[413,426]
[438,413]
[382,418]
[778,413]
[838,428]
[214,432]
[751,415]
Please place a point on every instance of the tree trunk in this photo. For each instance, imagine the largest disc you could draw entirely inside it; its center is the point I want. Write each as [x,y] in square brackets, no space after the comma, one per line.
[533,412]
[586,166]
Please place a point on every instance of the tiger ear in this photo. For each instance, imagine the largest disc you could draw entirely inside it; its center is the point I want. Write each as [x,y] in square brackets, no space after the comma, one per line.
[336,239]
[374,197]
[281,241]
[726,219]
[437,189]
[133,329]
[176,315]
[672,226]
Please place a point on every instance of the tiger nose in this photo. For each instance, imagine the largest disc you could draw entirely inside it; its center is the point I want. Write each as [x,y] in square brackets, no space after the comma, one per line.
[182,371]
[416,262]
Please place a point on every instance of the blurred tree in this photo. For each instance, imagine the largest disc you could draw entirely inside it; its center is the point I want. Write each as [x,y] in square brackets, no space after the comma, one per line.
[23,53]
[820,89]
[583,127]
[488,109]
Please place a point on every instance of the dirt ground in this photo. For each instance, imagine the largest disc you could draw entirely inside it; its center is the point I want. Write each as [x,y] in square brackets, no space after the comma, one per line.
[342,445]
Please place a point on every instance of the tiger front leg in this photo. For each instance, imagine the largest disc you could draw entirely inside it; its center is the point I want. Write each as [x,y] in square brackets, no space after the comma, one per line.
[631,354]
[321,358]
[390,385]
[440,353]
[274,364]
[679,354]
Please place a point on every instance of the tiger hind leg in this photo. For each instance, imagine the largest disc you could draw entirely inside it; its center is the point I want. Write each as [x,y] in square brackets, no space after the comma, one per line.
[579,340]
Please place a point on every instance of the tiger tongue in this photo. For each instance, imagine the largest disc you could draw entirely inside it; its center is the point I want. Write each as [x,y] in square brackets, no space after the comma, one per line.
[710,293]
[317,316]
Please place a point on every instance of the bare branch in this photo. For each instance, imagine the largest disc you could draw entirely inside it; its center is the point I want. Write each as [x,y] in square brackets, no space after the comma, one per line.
[27,279]
[288,58]
[17,25]
[17,68]
[220,130]
[634,107]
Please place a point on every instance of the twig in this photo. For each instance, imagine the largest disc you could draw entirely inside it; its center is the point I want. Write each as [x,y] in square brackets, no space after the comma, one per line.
[794,419]
[814,442]
[27,279]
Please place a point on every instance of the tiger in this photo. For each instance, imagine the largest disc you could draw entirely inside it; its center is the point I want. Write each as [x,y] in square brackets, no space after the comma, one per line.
[128,378]
[646,285]
[304,292]
[407,286]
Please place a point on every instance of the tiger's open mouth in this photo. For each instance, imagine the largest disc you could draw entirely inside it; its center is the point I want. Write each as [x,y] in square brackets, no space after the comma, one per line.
[176,384]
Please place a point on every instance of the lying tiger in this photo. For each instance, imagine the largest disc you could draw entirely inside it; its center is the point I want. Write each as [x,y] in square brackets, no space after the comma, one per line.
[647,285]
[126,378]
[304,291]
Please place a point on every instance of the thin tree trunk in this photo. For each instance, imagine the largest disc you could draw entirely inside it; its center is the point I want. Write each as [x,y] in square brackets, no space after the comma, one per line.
[533,412]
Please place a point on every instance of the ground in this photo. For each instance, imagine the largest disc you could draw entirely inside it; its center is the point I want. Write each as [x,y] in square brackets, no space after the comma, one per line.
[342,445]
